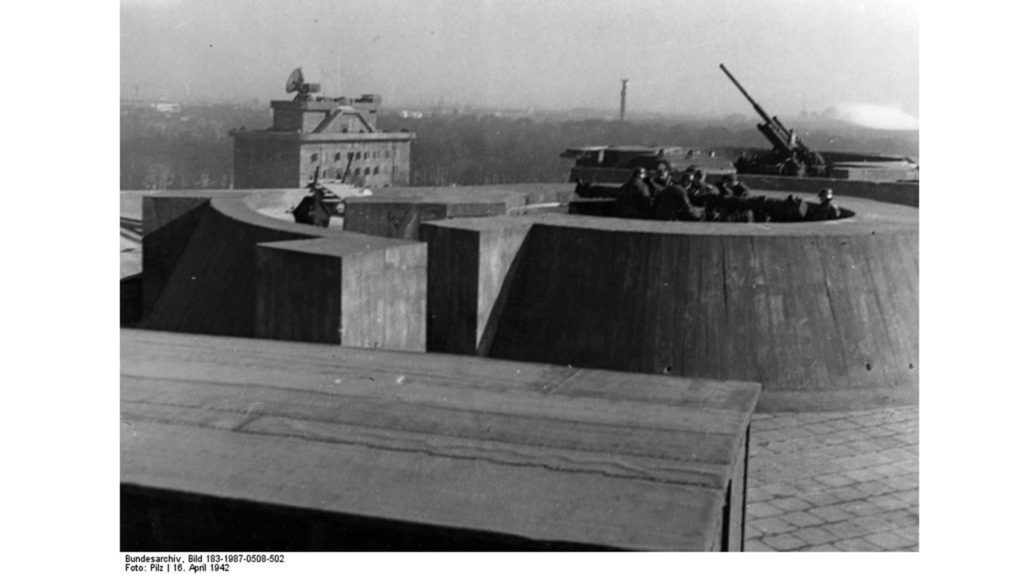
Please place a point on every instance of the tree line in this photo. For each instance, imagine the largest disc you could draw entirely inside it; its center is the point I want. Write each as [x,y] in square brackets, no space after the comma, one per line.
[193,149]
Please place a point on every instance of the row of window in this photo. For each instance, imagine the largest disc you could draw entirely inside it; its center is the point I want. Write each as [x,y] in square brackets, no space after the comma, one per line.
[264,156]
[355,172]
[356,155]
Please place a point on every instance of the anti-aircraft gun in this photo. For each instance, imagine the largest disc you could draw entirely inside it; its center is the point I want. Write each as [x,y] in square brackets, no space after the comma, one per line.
[790,155]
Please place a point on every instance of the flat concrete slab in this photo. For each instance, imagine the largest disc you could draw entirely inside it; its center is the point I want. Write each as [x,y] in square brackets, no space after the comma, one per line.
[539,453]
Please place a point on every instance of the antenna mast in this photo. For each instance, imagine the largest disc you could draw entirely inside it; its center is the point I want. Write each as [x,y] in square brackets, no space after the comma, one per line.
[622,100]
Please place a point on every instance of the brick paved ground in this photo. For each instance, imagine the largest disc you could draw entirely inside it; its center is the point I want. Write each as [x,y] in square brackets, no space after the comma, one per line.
[833,481]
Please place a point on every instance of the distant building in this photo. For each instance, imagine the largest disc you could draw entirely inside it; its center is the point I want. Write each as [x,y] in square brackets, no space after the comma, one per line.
[330,133]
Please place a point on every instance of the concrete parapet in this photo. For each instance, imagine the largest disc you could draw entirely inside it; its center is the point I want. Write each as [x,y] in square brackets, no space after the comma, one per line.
[469,262]
[401,219]
[213,265]
[398,212]
[354,291]
[824,314]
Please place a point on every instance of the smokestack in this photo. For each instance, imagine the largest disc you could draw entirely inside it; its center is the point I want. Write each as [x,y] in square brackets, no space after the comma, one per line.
[622,100]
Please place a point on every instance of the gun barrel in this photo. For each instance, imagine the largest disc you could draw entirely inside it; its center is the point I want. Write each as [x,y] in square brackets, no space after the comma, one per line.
[778,124]
[757,107]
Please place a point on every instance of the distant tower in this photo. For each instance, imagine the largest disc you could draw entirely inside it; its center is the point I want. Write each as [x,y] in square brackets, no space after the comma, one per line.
[622,100]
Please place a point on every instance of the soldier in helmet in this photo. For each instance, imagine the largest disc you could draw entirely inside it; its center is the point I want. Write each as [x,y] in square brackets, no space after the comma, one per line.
[672,203]
[827,208]
[699,197]
[661,180]
[634,198]
[732,186]
[686,180]
[700,185]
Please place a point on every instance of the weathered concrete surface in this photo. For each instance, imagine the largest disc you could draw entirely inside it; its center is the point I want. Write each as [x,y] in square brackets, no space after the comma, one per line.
[202,274]
[469,261]
[823,314]
[169,224]
[398,212]
[131,299]
[547,456]
[356,290]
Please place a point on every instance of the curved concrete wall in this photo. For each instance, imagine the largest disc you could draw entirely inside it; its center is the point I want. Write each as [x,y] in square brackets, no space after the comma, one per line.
[213,265]
[824,315]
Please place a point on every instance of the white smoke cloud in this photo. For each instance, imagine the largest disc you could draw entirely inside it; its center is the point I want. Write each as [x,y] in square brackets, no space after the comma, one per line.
[876,116]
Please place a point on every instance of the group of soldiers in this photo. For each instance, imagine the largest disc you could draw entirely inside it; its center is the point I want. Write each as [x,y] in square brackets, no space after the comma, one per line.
[692,199]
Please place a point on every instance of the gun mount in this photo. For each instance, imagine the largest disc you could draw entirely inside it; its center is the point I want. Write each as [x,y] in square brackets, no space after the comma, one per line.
[791,155]
[599,170]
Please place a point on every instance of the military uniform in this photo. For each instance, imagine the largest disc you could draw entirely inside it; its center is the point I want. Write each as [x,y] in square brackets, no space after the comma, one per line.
[701,189]
[634,199]
[672,204]
[737,189]
[827,210]
[658,184]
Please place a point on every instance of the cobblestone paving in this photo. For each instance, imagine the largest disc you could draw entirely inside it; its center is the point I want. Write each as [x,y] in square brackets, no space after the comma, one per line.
[833,481]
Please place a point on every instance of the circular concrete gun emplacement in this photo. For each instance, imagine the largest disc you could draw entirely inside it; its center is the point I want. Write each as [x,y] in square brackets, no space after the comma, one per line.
[823,314]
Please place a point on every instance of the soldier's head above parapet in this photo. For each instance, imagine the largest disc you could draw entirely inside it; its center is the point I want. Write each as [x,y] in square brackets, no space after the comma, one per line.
[639,172]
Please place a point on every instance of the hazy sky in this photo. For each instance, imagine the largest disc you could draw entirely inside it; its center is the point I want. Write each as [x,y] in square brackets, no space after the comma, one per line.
[790,54]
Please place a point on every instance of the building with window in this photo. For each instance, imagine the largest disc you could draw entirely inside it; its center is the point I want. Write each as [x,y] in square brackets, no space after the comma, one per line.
[337,135]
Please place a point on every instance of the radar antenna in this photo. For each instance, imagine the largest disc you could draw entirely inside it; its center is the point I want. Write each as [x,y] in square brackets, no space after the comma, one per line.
[296,83]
